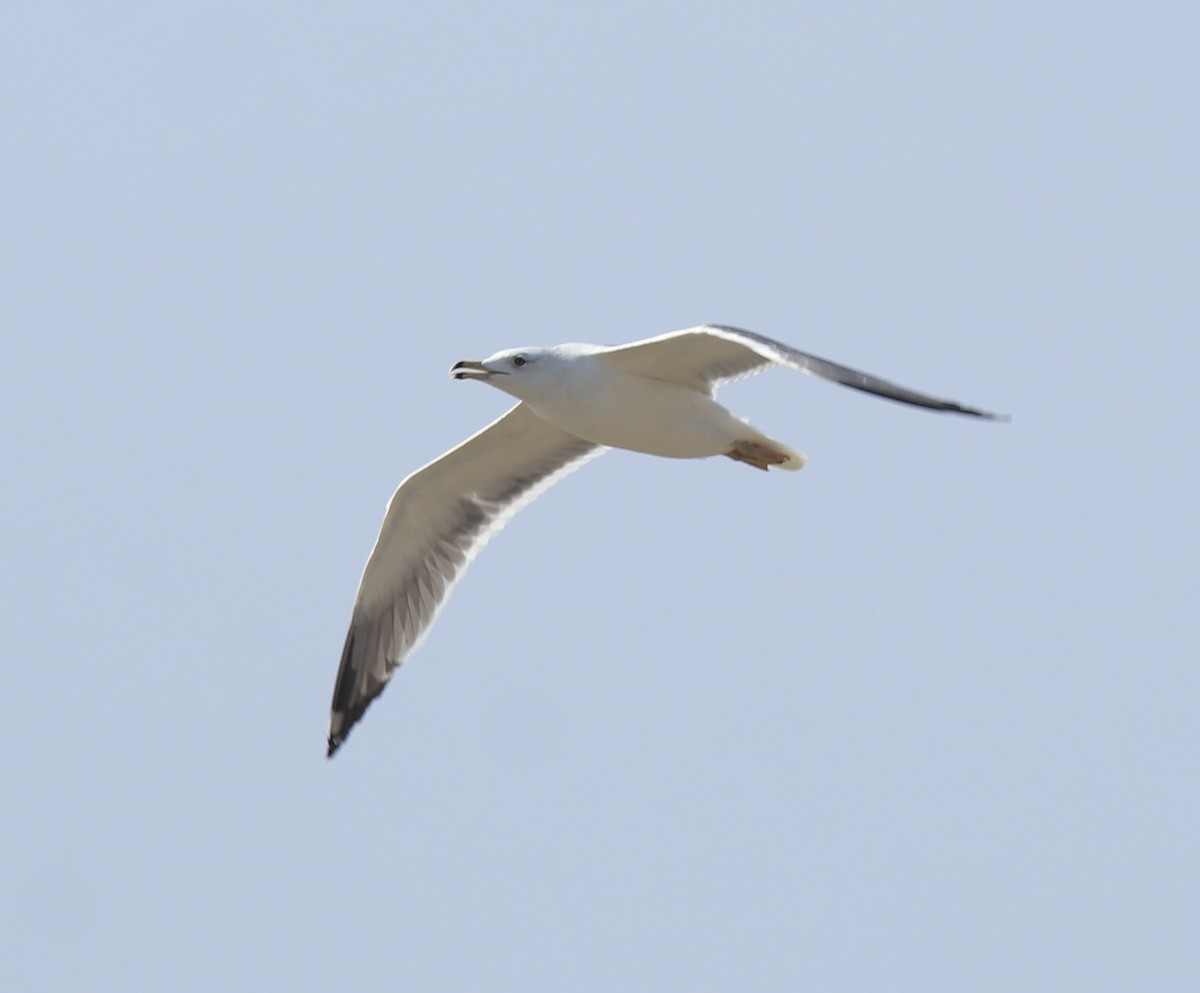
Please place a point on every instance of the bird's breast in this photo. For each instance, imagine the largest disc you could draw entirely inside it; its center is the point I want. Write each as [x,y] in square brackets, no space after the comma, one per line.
[640,414]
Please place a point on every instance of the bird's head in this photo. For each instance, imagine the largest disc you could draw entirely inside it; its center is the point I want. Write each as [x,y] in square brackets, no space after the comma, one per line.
[516,371]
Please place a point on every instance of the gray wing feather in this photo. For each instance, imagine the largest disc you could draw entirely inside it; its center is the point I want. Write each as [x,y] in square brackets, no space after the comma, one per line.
[856,380]
[437,521]
[705,358]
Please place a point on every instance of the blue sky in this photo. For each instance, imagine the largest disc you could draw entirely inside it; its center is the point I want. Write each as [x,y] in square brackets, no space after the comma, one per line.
[921,717]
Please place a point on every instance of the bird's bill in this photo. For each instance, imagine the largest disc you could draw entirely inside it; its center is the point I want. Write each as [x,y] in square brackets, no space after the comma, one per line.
[471,370]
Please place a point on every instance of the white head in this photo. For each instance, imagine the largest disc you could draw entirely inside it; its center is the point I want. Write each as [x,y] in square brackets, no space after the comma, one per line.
[521,372]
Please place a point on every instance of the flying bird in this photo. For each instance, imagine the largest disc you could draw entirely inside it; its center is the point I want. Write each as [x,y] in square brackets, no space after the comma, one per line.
[574,402]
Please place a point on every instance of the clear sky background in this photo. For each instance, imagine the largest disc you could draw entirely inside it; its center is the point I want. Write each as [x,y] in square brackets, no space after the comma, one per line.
[922,717]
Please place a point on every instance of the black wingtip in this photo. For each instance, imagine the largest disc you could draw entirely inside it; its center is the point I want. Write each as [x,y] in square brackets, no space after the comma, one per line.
[336,740]
[986,415]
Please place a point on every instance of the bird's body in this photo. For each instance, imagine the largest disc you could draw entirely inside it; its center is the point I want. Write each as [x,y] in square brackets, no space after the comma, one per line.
[575,402]
[583,393]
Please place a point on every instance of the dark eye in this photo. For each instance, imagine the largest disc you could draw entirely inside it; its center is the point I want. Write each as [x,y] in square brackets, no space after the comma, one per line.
[519,361]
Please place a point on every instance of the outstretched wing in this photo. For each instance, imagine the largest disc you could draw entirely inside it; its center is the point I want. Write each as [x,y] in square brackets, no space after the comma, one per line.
[437,521]
[706,357]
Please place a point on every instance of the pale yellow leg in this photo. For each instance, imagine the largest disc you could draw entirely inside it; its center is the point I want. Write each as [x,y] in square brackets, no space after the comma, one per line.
[757,454]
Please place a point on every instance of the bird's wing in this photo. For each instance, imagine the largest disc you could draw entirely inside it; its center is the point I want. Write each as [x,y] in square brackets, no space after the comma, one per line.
[706,357]
[699,358]
[437,521]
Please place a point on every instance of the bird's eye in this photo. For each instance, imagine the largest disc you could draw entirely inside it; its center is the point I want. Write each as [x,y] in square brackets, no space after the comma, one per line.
[519,361]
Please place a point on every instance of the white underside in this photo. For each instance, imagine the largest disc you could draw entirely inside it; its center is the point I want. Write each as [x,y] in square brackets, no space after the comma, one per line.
[644,415]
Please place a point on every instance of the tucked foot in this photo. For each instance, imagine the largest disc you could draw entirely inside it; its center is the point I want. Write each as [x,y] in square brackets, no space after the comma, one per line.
[762,455]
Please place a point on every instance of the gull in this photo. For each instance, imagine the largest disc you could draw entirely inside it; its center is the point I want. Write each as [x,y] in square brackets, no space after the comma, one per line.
[575,402]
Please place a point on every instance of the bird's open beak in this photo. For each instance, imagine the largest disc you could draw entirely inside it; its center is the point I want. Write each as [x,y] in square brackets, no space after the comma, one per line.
[470,370]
